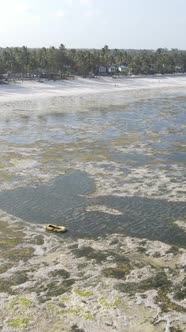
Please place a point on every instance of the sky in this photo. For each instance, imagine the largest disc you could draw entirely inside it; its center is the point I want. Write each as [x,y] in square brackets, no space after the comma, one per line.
[125,24]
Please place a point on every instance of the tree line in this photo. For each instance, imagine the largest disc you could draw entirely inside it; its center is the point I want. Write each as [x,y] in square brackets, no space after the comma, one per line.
[63,62]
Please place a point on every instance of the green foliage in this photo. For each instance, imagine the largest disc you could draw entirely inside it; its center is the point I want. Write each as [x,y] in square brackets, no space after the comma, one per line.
[60,62]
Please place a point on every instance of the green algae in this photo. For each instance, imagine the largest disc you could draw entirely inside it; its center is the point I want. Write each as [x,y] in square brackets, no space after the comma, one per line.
[156,254]
[118,272]
[7,176]
[173,250]
[66,299]
[59,273]
[20,254]
[88,315]
[10,237]
[16,279]
[75,328]
[124,140]
[23,301]
[18,323]
[81,312]
[53,288]
[5,267]
[38,240]
[121,259]
[160,280]
[76,311]
[117,303]
[180,291]
[8,243]
[166,304]
[87,157]
[141,249]
[84,293]
[5,285]
[56,310]
[91,253]
[19,278]
[47,159]
[180,294]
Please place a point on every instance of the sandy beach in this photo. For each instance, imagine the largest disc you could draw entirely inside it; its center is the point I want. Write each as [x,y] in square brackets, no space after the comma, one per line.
[82,86]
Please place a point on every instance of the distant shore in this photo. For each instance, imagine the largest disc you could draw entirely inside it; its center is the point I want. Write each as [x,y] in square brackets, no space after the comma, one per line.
[21,90]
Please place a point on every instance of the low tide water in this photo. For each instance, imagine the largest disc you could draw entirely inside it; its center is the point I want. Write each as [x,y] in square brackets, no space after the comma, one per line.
[124,151]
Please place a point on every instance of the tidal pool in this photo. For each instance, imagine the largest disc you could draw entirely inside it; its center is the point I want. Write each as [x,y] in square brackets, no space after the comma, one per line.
[64,201]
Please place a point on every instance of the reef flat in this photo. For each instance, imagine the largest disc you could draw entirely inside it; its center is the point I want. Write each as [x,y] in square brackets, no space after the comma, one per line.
[109,166]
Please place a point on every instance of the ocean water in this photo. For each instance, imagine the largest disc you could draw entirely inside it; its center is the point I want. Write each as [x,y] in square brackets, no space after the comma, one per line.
[76,160]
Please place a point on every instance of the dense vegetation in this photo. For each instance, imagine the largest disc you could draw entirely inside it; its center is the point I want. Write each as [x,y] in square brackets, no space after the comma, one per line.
[62,61]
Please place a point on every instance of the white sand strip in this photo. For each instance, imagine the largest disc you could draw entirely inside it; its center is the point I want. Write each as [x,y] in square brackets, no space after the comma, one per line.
[80,86]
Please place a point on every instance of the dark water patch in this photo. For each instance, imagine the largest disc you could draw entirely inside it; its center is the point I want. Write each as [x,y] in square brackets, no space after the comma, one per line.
[180,291]
[63,201]
[59,273]
[75,328]
[173,250]
[52,288]
[158,281]
[16,279]
[5,267]
[52,202]
[90,253]
[166,305]
[118,272]
[37,239]
[177,157]
[136,159]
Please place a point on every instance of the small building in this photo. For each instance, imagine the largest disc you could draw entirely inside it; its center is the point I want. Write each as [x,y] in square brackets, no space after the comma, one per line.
[3,78]
[178,69]
[50,76]
[101,70]
[112,69]
[122,68]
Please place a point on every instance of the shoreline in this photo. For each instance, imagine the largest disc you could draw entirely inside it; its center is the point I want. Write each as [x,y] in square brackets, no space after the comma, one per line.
[83,86]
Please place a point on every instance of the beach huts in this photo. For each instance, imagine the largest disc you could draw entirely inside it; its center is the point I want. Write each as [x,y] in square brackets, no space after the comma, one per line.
[122,68]
[112,69]
[101,70]
[3,78]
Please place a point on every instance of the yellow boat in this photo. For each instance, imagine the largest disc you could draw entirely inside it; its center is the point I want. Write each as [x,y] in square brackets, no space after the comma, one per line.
[56,228]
